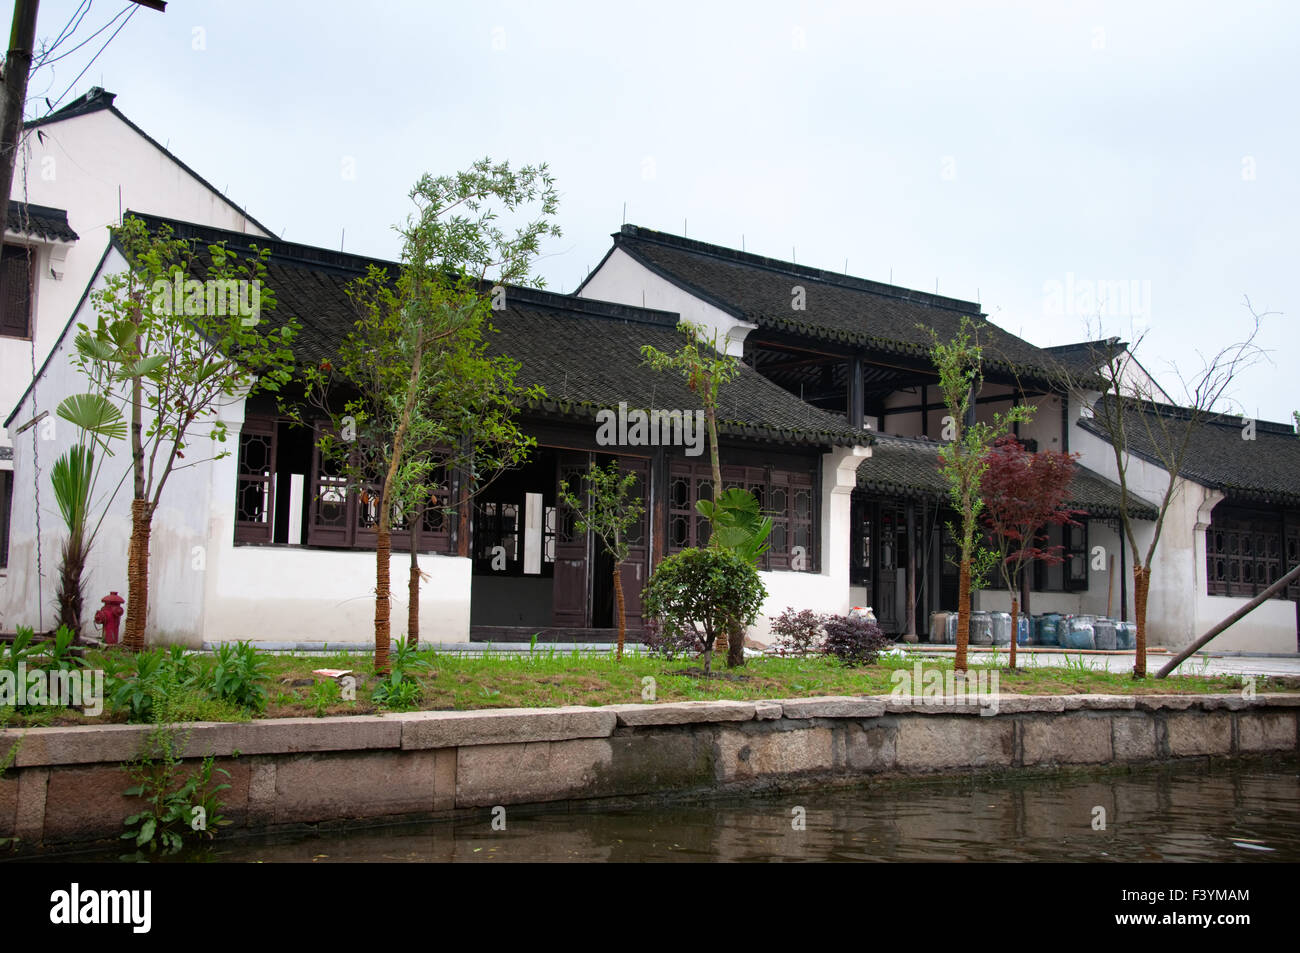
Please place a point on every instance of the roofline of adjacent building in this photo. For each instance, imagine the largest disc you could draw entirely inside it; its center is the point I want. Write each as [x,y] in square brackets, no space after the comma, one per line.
[91,103]
[850,282]
[316,256]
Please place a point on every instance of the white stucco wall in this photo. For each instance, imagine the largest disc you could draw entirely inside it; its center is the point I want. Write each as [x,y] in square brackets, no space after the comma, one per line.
[87,165]
[202,586]
[828,590]
[623,279]
[179,525]
[1179,607]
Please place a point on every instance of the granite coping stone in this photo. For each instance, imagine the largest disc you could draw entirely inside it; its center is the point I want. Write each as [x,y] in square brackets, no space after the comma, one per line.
[494,726]
[682,713]
[97,744]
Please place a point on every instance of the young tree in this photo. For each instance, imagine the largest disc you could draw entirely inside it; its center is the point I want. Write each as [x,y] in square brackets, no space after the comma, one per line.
[962,460]
[462,437]
[1023,494]
[409,323]
[703,593]
[706,367]
[173,350]
[609,508]
[1127,408]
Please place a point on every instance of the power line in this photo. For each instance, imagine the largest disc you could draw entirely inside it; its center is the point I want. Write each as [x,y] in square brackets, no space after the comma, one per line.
[92,60]
[45,62]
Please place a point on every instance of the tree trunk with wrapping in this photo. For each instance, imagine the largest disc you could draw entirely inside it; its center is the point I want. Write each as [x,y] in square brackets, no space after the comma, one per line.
[383,547]
[413,592]
[618,599]
[1141,584]
[137,576]
[963,616]
[1015,630]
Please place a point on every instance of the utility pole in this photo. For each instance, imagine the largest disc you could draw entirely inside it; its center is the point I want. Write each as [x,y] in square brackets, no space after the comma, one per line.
[18,64]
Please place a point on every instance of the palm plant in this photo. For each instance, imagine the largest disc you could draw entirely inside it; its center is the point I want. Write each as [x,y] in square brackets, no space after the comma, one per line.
[74,476]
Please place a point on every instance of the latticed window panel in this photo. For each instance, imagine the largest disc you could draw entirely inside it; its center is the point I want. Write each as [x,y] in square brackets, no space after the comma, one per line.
[1246,551]
[788,497]
[255,481]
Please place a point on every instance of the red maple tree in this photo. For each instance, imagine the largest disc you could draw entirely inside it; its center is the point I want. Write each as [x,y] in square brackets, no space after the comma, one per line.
[1024,493]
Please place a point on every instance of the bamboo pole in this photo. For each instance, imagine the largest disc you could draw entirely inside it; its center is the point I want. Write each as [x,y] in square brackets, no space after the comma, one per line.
[1231,620]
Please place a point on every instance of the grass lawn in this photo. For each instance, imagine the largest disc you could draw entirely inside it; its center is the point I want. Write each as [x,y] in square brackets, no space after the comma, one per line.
[546,679]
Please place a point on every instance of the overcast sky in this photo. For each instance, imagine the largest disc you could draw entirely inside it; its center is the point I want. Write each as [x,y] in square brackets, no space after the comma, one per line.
[1030,156]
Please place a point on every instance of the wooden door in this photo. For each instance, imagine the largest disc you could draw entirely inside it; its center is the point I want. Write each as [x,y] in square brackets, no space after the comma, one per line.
[571,590]
[636,567]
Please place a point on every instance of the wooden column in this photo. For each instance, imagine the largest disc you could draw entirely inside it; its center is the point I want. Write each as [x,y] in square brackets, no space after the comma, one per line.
[909,631]
[857,394]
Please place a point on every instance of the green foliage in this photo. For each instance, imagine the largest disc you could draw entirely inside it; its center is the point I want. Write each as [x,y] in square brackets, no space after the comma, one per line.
[700,361]
[74,476]
[171,685]
[736,523]
[187,365]
[323,695]
[609,507]
[178,802]
[703,592]
[705,367]
[238,676]
[963,460]
[399,690]
[426,399]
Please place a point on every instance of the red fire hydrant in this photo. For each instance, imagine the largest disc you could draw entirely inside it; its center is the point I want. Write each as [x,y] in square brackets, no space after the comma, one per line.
[108,616]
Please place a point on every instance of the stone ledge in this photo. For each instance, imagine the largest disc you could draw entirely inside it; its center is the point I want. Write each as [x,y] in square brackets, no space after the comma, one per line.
[684,713]
[98,744]
[495,726]
[1097,702]
[1279,699]
[833,706]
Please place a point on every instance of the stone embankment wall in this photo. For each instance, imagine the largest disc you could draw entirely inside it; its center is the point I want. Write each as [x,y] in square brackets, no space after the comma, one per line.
[65,785]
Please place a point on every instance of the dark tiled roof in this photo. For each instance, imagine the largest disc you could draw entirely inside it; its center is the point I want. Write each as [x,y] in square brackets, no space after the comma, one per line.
[839,308]
[1265,470]
[40,221]
[1085,358]
[909,467]
[585,353]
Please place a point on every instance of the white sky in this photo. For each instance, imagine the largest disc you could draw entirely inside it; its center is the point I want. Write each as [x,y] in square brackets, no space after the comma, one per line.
[995,148]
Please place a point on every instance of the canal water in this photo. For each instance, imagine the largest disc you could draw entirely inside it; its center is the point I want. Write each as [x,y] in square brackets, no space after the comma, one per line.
[1224,812]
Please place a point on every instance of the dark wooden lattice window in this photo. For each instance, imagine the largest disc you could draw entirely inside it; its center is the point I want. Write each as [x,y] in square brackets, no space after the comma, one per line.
[6,510]
[787,496]
[255,492]
[1247,550]
[17,278]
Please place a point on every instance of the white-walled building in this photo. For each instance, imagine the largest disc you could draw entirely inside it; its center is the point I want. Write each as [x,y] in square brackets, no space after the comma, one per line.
[76,171]
[860,349]
[267,544]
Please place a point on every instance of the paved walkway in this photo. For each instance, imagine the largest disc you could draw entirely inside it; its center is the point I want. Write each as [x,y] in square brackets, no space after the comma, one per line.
[1199,664]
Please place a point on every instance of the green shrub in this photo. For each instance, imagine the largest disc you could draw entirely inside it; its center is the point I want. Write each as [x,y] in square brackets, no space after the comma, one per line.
[239,674]
[703,592]
[399,690]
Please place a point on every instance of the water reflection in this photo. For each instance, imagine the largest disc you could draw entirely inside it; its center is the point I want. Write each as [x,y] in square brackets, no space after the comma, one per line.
[1219,814]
